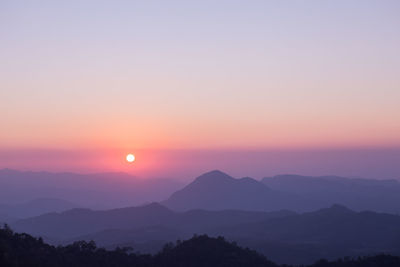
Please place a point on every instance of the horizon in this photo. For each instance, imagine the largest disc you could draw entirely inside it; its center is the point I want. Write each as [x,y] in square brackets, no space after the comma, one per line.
[192,179]
[372,163]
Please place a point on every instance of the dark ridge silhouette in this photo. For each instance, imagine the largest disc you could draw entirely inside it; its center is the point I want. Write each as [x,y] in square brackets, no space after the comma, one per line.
[199,251]
[284,237]
[206,251]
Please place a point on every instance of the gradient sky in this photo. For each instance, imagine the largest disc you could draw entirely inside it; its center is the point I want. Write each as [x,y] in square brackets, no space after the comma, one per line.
[106,76]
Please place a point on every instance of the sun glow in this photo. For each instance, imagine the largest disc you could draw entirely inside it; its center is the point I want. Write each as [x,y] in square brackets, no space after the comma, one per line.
[130,158]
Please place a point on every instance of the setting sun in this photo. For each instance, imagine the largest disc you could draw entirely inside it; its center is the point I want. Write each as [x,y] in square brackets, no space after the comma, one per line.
[130,158]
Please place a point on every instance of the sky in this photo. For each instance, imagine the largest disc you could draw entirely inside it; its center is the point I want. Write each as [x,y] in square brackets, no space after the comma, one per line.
[82,83]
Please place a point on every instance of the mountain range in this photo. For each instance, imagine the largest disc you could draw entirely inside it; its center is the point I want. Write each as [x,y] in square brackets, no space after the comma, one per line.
[216,190]
[78,222]
[97,191]
[283,236]
[289,218]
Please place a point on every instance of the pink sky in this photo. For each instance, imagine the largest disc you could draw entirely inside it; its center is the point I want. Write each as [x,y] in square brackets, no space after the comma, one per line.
[112,78]
[187,164]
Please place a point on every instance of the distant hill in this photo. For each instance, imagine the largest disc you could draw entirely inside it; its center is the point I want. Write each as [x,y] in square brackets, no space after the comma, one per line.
[98,190]
[357,194]
[216,190]
[35,208]
[78,222]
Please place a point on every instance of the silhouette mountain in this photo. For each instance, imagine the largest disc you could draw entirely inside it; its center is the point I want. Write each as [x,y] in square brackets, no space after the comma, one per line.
[216,190]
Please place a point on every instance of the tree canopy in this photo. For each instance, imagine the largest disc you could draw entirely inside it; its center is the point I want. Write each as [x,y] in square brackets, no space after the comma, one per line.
[19,249]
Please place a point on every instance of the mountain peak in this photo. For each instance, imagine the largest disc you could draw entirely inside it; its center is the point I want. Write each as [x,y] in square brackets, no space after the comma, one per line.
[214,175]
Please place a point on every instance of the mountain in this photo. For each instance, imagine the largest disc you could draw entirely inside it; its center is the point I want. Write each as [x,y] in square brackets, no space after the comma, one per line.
[358,194]
[336,224]
[77,222]
[330,233]
[81,222]
[216,190]
[97,191]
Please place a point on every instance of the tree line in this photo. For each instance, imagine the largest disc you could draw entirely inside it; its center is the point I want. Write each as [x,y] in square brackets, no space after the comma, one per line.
[23,250]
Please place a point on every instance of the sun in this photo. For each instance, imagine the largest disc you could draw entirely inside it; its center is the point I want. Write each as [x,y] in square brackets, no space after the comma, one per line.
[130,158]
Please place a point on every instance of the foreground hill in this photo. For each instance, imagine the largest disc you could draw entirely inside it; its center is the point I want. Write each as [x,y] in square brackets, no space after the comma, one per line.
[284,237]
[24,250]
[199,251]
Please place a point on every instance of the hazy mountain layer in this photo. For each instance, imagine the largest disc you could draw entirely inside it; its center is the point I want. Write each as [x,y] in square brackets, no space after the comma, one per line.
[100,191]
[217,191]
[285,237]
